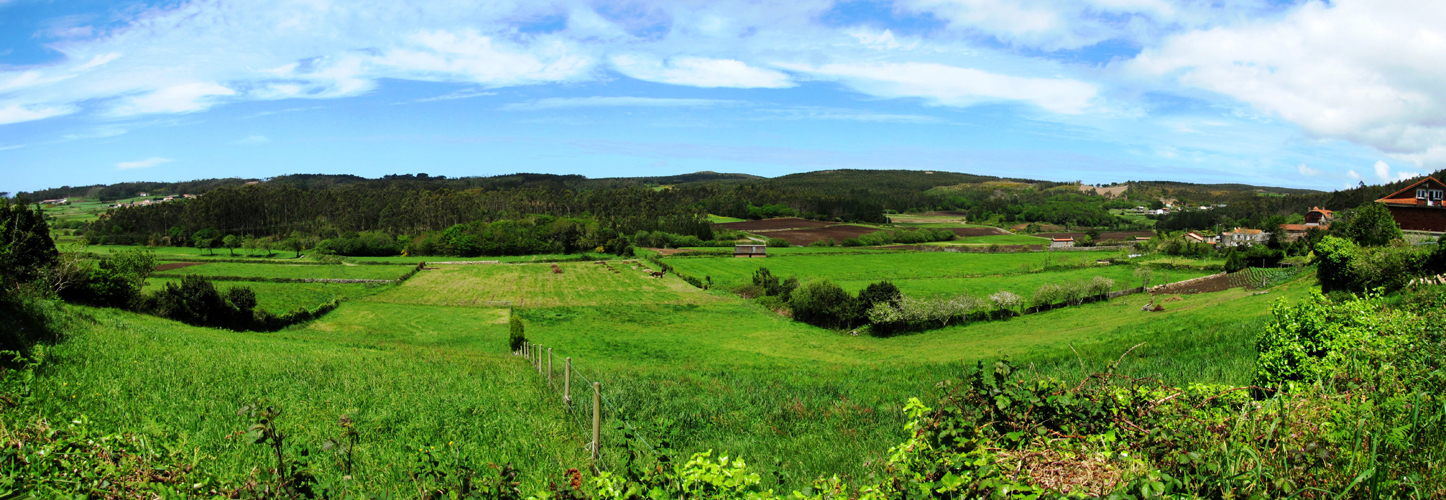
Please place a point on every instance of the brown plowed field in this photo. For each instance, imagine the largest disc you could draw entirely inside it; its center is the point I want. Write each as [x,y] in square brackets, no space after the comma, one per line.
[977,231]
[779,224]
[1045,227]
[1117,235]
[176,265]
[1215,284]
[803,237]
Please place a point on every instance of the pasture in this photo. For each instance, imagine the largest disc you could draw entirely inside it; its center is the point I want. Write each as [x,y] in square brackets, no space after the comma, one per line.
[537,285]
[423,367]
[898,266]
[282,297]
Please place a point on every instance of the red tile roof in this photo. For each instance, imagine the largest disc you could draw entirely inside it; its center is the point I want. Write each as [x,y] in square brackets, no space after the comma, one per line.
[1407,195]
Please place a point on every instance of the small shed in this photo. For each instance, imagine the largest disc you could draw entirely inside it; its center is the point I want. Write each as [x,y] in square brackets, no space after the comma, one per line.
[1061,242]
[750,251]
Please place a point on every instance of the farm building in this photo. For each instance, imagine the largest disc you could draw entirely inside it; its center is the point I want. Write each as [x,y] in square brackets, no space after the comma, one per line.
[1295,231]
[1418,206]
[750,251]
[1194,237]
[1241,236]
[1061,242]
[1318,216]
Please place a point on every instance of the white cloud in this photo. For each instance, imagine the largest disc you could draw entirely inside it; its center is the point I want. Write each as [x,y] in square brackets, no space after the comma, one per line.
[146,163]
[700,72]
[460,94]
[1352,174]
[1367,71]
[1307,171]
[1383,171]
[13,146]
[16,113]
[955,86]
[183,98]
[611,102]
[254,139]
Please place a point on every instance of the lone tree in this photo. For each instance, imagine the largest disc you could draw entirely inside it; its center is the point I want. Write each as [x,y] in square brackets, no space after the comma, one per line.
[26,249]
[1372,226]
[231,242]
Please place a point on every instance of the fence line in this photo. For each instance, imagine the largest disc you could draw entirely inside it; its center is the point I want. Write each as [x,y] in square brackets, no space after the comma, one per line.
[541,358]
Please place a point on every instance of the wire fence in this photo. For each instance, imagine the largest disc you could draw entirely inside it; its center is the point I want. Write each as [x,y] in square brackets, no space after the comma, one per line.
[587,407]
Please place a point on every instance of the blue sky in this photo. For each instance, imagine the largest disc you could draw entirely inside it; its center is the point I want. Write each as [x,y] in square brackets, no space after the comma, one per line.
[1300,94]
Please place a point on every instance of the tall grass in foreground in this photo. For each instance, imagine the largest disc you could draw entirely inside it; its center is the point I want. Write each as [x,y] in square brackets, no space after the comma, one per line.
[180,388]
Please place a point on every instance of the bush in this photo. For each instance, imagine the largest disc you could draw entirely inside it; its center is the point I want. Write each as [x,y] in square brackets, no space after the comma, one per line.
[882,292]
[1006,302]
[1344,266]
[776,243]
[822,303]
[515,337]
[1371,226]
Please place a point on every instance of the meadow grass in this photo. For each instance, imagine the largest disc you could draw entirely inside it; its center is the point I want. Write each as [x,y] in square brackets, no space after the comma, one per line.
[283,297]
[413,260]
[181,386]
[719,219]
[536,285]
[1025,284]
[269,270]
[425,364]
[728,251]
[891,266]
[994,239]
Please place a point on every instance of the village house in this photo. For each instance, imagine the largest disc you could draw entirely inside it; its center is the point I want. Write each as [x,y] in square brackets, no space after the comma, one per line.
[1418,207]
[750,251]
[1295,231]
[1241,236]
[1061,242]
[1194,237]
[1318,216]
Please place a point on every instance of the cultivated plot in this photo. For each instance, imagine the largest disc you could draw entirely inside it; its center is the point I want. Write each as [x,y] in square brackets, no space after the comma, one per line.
[282,297]
[538,285]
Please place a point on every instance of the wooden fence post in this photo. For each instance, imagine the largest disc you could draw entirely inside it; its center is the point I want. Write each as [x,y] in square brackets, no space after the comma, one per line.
[596,421]
[539,360]
[549,367]
[567,381]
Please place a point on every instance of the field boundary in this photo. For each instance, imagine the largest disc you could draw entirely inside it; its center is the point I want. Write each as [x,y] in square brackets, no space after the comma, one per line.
[577,408]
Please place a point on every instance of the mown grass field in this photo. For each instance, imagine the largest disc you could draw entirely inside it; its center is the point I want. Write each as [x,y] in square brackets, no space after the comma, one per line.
[283,297]
[268,270]
[536,285]
[1025,284]
[424,364]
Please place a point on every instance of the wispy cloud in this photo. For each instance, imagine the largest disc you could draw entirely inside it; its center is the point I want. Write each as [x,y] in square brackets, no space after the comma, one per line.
[824,113]
[146,163]
[460,94]
[14,146]
[254,139]
[1307,171]
[612,102]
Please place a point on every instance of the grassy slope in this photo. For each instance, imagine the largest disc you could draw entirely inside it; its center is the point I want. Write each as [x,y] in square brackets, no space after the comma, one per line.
[702,369]
[282,297]
[182,385]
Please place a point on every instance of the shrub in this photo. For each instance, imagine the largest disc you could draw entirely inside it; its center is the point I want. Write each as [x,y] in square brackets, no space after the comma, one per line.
[877,293]
[777,242]
[515,337]
[1371,226]
[1006,302]
[824,304]
[1343,265]
[1046,295]
[1306,340]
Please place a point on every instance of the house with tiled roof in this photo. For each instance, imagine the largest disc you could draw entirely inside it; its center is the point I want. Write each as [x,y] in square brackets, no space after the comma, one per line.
[1418,207]
[1242,236]
[1318,216]
[1061,242]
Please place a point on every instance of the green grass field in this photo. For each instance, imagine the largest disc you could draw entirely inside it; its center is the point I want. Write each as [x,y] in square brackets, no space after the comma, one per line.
[892,266]
[998,239]
[179,387]
[283,297]
[1025,284]
[268,270]
[424,364]
[535,285]
[718,219]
